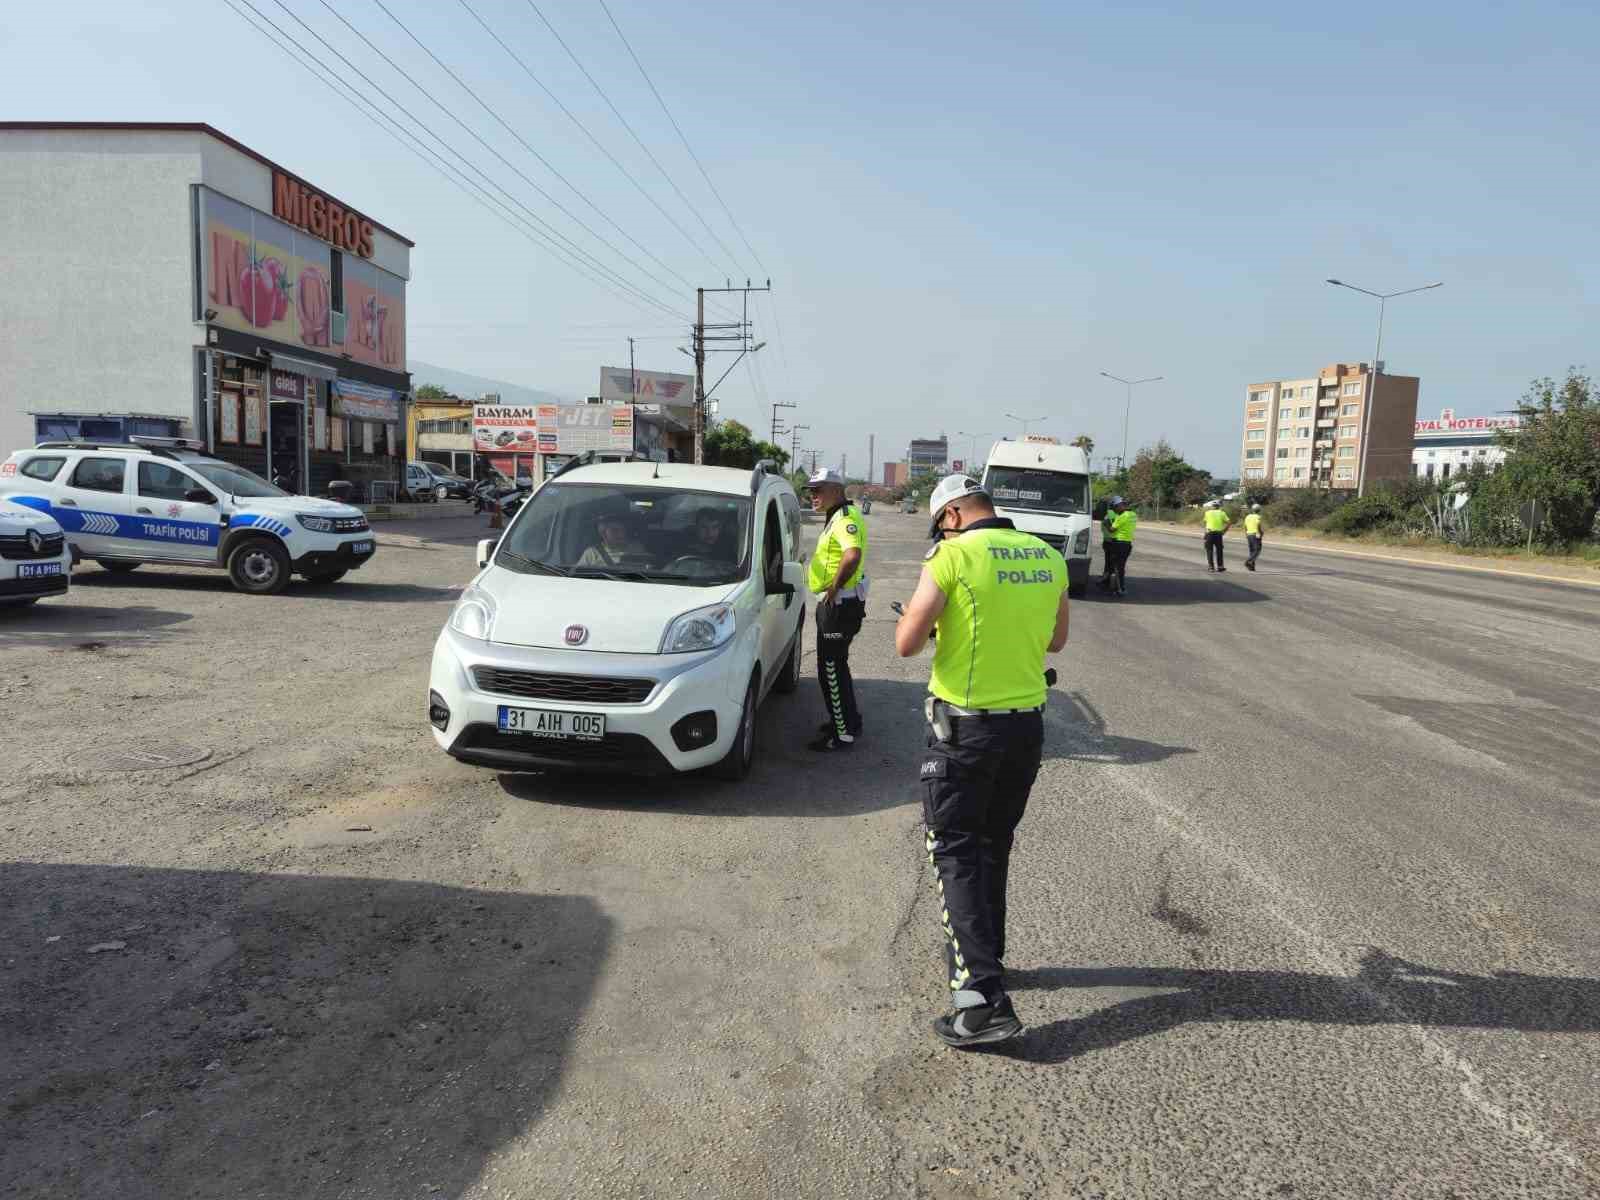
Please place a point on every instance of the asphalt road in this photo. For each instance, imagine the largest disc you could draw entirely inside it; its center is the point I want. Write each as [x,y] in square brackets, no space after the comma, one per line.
[1303,905]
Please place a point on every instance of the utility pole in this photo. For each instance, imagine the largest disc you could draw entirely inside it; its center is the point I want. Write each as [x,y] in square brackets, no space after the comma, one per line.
[737,333]
[844,471]
[633,376]
[794,446]
[872,455]
[1127,409]
[776,432]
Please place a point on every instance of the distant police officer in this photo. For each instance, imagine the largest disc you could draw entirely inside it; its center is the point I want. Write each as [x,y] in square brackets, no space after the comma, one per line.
[1217,522]
[1121,521]
[1252,535]
[997,599]
[837,579]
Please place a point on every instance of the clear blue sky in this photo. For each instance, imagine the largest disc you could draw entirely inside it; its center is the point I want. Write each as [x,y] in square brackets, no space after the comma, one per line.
[966,210]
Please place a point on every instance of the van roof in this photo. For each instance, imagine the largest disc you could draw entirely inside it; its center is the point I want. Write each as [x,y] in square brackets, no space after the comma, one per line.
[1042,454]
[726,481]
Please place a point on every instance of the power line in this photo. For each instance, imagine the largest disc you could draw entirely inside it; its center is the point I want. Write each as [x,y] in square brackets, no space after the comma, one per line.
[571,116]
[683,139]
[623,121]
[470,132]
[331,79]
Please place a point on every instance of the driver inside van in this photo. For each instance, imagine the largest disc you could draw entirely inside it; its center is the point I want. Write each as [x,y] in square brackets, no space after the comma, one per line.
[617,543]
[710,536]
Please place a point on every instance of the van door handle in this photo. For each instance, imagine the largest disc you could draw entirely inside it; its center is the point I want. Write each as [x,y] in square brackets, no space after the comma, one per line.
[145,511]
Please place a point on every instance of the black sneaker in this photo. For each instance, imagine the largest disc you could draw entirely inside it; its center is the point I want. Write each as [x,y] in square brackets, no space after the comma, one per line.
[827,727]
[981,1026]
[831,741]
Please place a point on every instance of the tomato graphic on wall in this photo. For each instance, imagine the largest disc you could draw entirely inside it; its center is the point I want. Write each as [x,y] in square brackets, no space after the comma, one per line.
[279,276]
[257,293]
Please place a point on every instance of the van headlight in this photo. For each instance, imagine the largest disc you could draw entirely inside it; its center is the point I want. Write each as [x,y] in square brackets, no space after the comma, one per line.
[315,524]
[1080,544]
[700,629]
[473,615]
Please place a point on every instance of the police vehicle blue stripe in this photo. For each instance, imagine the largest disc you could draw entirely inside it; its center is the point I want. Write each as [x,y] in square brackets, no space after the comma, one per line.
[138,529]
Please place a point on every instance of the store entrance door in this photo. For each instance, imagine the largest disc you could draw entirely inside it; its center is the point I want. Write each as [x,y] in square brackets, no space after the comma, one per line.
[286,444]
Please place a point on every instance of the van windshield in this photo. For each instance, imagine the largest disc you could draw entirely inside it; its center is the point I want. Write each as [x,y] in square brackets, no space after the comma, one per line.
[1038,491]
[645,535]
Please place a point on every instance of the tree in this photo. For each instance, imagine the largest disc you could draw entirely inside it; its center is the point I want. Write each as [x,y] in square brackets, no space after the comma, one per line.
[432,391]
[1554,457]
[1161,475]
[730,444]
[1084,442]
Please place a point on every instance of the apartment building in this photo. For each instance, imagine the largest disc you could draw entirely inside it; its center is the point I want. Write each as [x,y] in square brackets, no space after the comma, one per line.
[1316,432]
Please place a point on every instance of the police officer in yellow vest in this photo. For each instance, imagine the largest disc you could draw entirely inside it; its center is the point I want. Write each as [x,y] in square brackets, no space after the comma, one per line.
[997,600]
[837,579]
[1217,522]
[1252,535]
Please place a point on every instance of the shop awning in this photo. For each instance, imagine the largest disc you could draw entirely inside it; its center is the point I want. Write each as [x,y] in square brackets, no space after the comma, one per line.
[300,366]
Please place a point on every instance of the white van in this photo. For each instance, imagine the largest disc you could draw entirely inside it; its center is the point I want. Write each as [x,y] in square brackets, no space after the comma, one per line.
[1042,487]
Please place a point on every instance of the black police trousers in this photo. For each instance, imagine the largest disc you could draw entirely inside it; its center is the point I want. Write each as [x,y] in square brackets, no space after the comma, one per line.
[837,626]
[975,788]
[1214,549]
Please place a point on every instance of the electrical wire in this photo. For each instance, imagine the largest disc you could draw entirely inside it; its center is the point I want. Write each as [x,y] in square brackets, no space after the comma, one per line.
[646,76]
[623,121]
[457,154]
[432,159]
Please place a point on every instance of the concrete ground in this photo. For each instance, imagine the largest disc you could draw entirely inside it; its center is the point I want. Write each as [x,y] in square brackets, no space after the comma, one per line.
[1303,905]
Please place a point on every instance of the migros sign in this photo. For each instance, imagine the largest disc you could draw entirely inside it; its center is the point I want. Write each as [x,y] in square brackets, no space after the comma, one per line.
[310,210]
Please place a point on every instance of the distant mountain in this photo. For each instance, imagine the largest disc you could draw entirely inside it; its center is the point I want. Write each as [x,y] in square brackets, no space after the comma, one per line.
[472,387]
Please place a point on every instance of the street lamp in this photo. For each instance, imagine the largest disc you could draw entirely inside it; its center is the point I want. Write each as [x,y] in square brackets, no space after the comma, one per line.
[1023,421]
[1372,387]
[972,448]
[1127,408]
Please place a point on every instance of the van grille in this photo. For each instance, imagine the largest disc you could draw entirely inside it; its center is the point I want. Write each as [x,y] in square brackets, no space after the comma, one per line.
[578,689]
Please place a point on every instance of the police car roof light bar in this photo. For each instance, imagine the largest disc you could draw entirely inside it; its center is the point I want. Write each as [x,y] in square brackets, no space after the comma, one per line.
[174,443]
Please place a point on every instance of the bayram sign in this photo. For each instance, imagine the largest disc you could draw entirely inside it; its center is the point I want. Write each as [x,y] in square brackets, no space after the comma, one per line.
[505,428]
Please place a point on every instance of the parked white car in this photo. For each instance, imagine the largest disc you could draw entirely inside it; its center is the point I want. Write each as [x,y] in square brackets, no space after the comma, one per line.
[631,618]
[157,501]
[34,559]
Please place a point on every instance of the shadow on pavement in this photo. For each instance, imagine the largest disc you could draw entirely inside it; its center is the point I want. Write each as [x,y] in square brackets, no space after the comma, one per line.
[790,780]
[1386,991]
[1172,590]
[53,622]
[275,1035]
[351,587]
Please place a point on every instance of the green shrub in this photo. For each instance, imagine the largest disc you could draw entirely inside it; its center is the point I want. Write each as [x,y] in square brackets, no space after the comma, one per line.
[1301,506]
[1374,511]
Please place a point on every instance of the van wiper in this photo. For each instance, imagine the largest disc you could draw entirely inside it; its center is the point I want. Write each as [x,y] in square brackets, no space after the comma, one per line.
[604,573]
[512,558]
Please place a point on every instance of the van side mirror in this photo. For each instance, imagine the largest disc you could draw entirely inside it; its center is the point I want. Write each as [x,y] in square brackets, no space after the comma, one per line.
[791,580]
[486,550]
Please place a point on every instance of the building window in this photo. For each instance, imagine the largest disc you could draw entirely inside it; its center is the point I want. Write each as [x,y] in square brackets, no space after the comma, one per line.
[1347,451]
[1352,389]
[1445,473]
[1307,392]
[336,280]
[1345,473]
[1303,452]
[1283,452]
[1299,472]
[1254,472]
[1430,470]
[1250,455]
[1348,431]
[1433,454]
[1255,435]
[1285,432]
[1303,412]
[1304,431]
[1260,397]
[1349,410]
[1258,414]
[1281,473]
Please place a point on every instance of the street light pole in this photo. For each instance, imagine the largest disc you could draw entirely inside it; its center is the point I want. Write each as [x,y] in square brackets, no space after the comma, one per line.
[1023,421]
[972,448]
[1127,409]
[1372,378]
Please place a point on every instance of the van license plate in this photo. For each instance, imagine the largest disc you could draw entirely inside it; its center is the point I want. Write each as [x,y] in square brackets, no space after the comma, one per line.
[31,570]
[544,722]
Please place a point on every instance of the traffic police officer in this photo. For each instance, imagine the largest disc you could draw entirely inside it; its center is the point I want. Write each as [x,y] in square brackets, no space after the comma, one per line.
[1217,522]
[837,579]
[1121,521]
[997,600]
[1252,535]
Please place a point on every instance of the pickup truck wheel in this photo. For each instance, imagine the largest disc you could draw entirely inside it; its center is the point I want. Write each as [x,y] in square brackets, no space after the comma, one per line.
[259,566]
[735,765]
[789,681]
[119,568]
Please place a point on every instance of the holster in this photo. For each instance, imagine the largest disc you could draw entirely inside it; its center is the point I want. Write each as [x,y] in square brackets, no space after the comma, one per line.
[939,721]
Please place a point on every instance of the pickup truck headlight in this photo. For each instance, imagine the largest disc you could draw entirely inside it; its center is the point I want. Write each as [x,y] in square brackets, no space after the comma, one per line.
[473,615]
[315,524]
[699,629]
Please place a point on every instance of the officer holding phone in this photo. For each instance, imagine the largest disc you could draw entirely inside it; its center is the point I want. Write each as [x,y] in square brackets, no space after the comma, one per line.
[997,600]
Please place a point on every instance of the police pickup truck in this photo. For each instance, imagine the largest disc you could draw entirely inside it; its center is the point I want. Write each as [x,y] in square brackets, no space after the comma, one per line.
[159,500]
